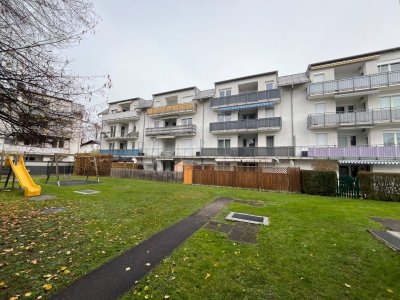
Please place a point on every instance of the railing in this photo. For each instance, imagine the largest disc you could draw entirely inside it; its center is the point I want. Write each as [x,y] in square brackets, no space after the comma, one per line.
[248,151]
[358,83]
[267,123]
[121,115]
[172,109]
[251,97]
[358,118]
[34,150]
[130,135]
[122,152]
[375,152]
[179,130]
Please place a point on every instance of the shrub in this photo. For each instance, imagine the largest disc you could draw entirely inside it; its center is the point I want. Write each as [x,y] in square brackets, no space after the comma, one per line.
[380,186]
[319,182]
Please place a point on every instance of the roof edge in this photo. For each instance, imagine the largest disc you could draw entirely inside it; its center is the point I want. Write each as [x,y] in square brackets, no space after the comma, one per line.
[246,77]
[176,91]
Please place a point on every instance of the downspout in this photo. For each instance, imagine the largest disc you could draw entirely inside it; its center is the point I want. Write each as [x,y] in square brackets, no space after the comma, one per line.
[291,116]
[202,128]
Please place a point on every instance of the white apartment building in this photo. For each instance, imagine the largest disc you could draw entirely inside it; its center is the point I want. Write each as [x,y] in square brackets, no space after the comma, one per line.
[67,144]
[346,110]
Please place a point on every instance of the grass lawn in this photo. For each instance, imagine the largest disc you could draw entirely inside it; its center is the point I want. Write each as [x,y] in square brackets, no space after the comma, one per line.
[315,247]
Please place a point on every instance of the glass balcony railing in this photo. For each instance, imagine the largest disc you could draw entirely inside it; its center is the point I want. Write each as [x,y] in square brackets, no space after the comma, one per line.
[252,97]
[125,115]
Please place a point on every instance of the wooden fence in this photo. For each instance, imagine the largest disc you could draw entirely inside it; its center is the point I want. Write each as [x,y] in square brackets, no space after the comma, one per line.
[167,176]
[84,164]
[267,178]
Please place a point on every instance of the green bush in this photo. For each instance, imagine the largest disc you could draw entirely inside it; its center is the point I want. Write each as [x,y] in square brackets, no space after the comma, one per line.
[319,182]
[380,186]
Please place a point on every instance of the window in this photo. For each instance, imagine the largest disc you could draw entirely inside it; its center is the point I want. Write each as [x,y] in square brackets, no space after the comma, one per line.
[133,144]
[389,66]
[389,101]
[391,138]
[320,108]
[187,99]
[340,109]
[270,141]
[225,93]
[123,130]
[54,143]
[113,111]
[269,85]
[121,146]
[111,146]
[322,139]
[157,103]
[156,124]
[224,117]
[186,121]
[61,144]
[225,143]
[113,129]
[250,116]
[319,77]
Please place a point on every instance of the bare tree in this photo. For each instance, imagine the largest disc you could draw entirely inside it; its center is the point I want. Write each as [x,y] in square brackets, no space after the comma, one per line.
[34,76]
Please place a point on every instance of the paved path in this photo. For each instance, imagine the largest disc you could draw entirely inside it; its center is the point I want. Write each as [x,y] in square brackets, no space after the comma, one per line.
[112,280]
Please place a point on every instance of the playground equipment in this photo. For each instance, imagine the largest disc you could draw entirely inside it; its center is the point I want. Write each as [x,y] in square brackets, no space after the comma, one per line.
[56,163]
[25,180]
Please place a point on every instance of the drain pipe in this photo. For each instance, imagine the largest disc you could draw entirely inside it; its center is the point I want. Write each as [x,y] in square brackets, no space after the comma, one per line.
[291,115]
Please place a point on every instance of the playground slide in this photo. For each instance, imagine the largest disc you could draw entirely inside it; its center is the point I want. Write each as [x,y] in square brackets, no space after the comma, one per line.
[24,179]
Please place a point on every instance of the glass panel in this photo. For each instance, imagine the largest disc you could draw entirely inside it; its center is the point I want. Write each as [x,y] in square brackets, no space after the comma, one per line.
[318,77]
[228,92]
[398,138]
[342,141]
[384,102]
[383,68]
[227,143]
[388,138]
[396,101]
[395,67]
[227,117]
[269,86]
[270,141]
[220,143]
[189,121]
[222,93]
[340,109]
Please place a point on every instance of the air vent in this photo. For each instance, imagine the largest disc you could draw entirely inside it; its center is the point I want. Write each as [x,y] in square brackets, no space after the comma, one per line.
[241,217]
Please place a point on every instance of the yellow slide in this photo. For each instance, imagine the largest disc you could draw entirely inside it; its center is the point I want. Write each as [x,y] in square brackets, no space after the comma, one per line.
[24,179]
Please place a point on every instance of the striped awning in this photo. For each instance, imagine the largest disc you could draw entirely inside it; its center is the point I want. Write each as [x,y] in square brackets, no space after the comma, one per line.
[370,162]
[246,106]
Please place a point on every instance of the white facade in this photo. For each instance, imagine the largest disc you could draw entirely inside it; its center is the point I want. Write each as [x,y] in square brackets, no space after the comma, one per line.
[347,110]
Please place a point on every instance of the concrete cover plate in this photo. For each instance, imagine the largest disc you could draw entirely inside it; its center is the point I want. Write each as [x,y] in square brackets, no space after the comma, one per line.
[53,210]
[42,197]
[388,238]
[241,217]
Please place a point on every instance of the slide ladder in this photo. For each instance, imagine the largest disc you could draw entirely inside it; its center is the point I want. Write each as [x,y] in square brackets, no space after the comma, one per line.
[24,179]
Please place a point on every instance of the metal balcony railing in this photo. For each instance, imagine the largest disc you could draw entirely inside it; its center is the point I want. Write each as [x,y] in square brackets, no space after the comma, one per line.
[354,84]
[255,124]
[357,152]
[179,130]
[177,109]
[249,151]
[358,118]
[122,152]
[129,136]
[33,149]
[125,115]
[252,97]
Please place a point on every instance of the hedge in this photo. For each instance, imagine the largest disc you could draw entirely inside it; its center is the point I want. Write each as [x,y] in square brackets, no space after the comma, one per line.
[380,186]
[319,182]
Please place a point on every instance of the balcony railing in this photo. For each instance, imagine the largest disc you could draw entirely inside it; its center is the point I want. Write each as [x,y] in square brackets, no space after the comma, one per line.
[249,151]
[252,97]
[33,150]
[358,118]
[358,152]
[131,135]
[122,152]
[125,115]
[180,130]
[177,109]
[354,84]
[252,125]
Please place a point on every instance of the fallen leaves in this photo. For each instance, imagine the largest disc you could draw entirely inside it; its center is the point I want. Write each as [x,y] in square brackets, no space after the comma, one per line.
[47,287]
[28,294]
[207,276]
[389,291]
[127,269]
[3,285]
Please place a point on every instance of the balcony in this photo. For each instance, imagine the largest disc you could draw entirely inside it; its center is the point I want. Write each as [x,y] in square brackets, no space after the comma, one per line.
[358,152]
[130,136]
[122,152]
[255,125]
[121,116]
[180,130]
[355,84]
[177,109]
[358,119]
[247,98]
[170,153]
[34,150]
[249,152]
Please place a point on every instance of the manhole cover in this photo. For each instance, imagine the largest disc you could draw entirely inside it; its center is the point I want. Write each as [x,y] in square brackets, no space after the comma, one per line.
[241,217]
[86,192]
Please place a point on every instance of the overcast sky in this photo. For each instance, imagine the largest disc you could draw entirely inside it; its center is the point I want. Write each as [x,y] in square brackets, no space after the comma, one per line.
[150,46]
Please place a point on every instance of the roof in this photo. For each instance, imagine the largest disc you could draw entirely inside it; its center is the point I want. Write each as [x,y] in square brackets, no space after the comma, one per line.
[104,112]
[90,142]
[293,79]
[176,91]
[204,94]
[130,99]
[246,77]
[353,57]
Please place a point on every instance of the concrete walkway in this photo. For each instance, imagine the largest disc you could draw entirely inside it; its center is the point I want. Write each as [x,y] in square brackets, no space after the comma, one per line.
[112,280]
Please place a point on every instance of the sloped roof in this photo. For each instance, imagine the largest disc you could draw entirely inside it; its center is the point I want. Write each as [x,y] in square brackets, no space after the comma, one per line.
[293,79]
[204,94]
